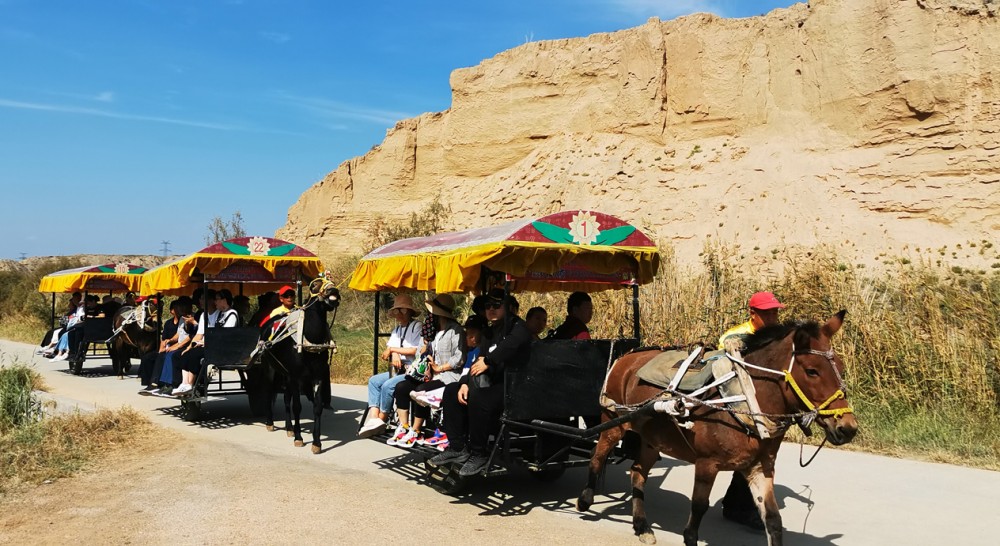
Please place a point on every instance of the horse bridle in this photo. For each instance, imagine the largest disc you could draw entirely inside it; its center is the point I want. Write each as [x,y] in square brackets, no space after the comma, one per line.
[841,392]
[814,410]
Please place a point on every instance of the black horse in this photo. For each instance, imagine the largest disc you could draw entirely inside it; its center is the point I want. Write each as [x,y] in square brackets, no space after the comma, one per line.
[295,359]
[134,335]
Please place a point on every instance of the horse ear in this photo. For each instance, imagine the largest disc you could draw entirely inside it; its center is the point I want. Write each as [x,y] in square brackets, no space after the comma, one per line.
[834,323]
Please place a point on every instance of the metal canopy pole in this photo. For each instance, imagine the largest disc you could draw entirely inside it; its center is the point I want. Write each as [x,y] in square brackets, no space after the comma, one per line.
[375,337]
[53,322]
[635,313]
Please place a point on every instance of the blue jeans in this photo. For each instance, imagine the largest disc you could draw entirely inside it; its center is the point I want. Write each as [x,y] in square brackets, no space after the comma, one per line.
[63,344]
[380,389]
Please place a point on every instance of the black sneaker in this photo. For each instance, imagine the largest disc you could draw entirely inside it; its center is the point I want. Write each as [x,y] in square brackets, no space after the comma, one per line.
[450,456]
[476,464]
[746,518]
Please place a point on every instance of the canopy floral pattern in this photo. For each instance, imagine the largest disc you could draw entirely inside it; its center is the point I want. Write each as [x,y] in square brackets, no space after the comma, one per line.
[570,250]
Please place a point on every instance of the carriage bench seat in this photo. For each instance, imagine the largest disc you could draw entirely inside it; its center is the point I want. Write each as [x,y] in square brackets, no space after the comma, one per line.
[230,348]
[97,330]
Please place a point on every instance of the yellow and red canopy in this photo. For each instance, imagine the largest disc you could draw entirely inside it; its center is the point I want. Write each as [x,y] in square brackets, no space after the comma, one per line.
[258,264]
[123,277]
[570,250]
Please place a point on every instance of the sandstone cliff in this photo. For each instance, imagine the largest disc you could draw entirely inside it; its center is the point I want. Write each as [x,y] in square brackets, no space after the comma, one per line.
[866,124]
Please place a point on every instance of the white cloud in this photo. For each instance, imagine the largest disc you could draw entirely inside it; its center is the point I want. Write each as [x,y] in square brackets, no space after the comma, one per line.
[276,37]
[667,9]
[20,105]
[335,110]
[105,96]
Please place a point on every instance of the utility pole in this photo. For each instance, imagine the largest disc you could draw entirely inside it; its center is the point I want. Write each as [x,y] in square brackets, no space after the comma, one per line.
[166,248]
[23,256]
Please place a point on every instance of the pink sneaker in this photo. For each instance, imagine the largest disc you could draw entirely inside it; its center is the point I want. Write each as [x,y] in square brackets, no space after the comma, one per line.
[437,439]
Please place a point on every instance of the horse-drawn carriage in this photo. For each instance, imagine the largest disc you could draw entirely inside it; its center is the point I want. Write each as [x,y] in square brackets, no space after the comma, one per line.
[96,337]
[561,383]
[245,266]
[790,375]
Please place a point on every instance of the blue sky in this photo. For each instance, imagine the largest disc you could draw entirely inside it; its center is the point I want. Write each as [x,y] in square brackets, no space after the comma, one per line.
[126,123]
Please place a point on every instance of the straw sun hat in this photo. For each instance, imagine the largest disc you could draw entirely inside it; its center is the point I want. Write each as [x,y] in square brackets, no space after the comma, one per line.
[443,305]
[402,301]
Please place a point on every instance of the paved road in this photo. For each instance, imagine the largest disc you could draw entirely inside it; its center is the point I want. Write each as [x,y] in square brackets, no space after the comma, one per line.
[842,498]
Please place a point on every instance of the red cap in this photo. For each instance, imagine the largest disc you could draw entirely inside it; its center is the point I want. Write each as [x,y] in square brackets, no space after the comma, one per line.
[764,301]
[284,289]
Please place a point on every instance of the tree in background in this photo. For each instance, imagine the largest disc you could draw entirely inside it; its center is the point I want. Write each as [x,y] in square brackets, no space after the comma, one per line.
[219,230]
[431,219]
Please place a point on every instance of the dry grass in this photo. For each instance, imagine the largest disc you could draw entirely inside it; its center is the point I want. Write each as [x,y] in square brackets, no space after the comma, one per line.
[23,328]
[34,448]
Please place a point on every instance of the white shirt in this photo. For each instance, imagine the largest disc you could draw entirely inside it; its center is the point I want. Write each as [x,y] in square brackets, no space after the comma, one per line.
[212,317]
[405,337]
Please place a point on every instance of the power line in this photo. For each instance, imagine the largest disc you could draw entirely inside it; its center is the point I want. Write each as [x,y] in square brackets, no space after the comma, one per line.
[166,248]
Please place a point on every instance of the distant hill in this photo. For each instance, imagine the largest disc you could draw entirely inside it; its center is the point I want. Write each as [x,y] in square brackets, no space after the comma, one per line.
[27,264]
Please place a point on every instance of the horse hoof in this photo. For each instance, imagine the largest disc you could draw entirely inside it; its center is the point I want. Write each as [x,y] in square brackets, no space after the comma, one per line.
[584,501]
[289,434]
[316,450]
[270,428]
[299,443]
[647,538]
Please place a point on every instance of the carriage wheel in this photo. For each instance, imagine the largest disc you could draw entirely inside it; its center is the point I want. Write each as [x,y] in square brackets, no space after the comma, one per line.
[192,409]
[444,479]
[76,367]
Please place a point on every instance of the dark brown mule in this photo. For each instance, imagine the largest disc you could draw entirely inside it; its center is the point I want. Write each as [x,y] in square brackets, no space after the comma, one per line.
[134,335]
[717,442]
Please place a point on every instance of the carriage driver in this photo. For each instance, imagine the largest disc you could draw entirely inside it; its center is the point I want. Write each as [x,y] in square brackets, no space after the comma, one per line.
[738,504]
[286,295]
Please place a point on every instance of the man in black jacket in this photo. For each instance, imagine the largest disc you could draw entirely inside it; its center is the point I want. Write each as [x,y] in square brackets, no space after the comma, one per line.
[475,412]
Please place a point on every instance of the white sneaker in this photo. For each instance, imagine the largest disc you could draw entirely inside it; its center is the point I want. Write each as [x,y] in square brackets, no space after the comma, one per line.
[182,389]
[62,356]
[372,427]
[408,439]
[400,433]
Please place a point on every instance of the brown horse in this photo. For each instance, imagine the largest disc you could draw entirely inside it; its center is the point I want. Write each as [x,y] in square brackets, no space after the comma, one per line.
[797,376]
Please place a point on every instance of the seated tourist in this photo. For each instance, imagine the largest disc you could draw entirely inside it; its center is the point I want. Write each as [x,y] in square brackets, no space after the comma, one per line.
[150,362]
[167,370]
[109,306]
[444,364]
[221,315]
[241,304]
[579,311]
[266,303]
[400,350]
[474,327]
[536,319]
[473,413]
[51,339]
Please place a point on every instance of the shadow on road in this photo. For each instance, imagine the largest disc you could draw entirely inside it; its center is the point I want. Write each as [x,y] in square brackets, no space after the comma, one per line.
[518,493]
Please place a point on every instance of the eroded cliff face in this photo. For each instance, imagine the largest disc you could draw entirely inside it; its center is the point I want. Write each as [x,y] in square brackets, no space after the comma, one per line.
[867,124]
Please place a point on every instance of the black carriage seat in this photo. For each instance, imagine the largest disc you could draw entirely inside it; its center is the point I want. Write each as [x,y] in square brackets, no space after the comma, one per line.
[94,338]
[562,379]
[230,348]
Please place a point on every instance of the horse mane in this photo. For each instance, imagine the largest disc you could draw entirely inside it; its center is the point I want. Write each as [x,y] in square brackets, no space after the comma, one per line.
[803,330]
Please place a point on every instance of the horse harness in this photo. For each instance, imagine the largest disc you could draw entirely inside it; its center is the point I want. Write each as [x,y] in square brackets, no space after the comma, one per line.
[291,326]
[679,404]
